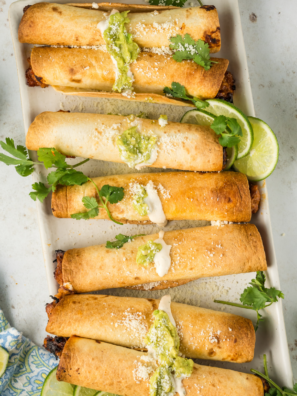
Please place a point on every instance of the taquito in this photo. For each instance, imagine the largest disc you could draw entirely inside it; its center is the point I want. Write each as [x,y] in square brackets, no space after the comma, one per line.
[184,196]
[195,253]
[150,26]
[204,334]
[89,69]
[110,368]
[180,146]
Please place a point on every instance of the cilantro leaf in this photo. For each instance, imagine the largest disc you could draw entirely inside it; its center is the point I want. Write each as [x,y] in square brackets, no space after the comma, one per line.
[120,241]
[24,170]
[66,177]
[112,194]
[41,192]
[257,297]
[19,152]
[89,203]
[229,129]
[13,161]
[22,162]
[186,48]
[174,3]
[179,91]
[253,298]
[228,141]
[51,157]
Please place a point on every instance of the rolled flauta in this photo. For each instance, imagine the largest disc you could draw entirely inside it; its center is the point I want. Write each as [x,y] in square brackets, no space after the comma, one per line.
[204,334]
[93,70]
[110,368]
[195,253]
[184,196]
[180,146]
[150,26]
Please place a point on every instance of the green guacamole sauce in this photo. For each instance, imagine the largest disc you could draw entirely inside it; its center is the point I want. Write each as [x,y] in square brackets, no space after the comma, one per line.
[138,201]
[122,48]
[164,340]
[134,147]
[146,253]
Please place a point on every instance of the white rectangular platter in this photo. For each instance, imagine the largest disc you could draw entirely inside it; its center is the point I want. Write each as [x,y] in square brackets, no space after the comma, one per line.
[68,233]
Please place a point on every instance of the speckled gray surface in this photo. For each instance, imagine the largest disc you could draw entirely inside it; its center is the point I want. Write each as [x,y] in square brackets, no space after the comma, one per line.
[269,33]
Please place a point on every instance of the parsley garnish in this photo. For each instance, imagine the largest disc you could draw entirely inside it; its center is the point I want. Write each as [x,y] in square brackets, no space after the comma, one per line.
[274,390]
[179,91]
[256,296]
[229,129]
[120,241]
[186,48]
[65,174]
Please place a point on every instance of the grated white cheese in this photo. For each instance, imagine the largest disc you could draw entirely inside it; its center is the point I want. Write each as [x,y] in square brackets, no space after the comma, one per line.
[95,5]
[142,372]
[165,193]
[220,223]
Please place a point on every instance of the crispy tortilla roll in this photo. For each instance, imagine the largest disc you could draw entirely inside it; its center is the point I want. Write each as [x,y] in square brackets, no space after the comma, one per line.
[123,371]
[204,334]
[94,70]
[180,146]
[195,253]
[59,24]
[184,196]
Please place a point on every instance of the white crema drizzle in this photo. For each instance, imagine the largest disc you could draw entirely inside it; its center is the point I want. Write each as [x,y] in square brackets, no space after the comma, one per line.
[162,259]
[155,210]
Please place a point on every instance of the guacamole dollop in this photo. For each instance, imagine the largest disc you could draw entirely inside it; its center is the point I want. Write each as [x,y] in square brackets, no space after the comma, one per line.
[146,253]
[136,148]
[138,201]
[122,48]
[163,339]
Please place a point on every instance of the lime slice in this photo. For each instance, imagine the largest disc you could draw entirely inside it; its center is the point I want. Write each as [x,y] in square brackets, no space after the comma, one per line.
[53,387]
[263,157]
[220,107]
[232,153]
[198,117]
[4,356]
[80,391]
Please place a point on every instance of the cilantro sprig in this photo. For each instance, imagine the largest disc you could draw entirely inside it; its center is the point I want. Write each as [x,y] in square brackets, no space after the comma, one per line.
[229,129]
[107,194]
[64,174]
[179,91]
[274,389]
[256,297]
[120,241]
[186,48]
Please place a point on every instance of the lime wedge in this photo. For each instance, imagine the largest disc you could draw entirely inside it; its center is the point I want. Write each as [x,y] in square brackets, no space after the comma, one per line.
[4,356]
[232,153]
[80,391]
[220,107]
[53,387]
[198,117]
[263,157]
